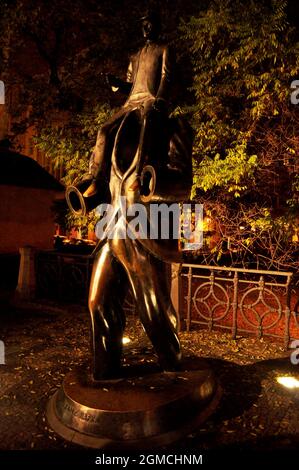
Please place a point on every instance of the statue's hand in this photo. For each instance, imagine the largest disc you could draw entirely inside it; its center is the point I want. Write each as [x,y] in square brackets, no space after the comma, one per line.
[160,105]
[112,80]
[91,190]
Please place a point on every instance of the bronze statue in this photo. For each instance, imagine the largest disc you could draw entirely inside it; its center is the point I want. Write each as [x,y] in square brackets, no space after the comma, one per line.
[142,161]
[144,156]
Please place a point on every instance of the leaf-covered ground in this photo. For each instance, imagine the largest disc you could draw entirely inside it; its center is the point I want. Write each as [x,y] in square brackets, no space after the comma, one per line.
[43,342]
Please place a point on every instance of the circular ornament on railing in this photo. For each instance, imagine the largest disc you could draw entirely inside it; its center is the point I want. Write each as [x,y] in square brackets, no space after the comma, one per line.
[260,308]
[211,301]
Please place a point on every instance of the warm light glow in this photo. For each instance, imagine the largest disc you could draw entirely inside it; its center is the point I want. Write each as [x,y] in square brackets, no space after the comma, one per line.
[288,382]
[126,340]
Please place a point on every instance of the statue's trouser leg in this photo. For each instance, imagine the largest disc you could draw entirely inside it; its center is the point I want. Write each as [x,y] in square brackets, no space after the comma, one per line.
[148,279]
[153,143]
[106,296]
[98,163]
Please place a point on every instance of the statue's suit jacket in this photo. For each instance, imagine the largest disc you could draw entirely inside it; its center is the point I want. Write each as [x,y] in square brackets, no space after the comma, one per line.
[150,73]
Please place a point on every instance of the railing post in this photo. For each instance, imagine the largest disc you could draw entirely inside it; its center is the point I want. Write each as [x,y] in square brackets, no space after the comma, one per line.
[175,291]
[211,320]
[189,300]
[261,296]
[235,305]
[287,313]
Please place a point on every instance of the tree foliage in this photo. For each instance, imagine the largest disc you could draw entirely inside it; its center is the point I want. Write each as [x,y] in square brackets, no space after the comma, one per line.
[244,57]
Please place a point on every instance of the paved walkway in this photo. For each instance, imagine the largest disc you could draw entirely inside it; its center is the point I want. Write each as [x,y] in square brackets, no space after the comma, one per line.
[43,342]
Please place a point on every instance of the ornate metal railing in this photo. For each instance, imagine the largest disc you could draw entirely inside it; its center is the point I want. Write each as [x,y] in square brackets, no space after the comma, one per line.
[239,300]
[66,277]
[63,276]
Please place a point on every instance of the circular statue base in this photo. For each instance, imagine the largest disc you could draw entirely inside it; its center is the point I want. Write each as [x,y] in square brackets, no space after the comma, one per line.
[145,408]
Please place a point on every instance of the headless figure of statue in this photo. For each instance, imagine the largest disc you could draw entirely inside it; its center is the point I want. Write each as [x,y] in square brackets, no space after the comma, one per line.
[123,262]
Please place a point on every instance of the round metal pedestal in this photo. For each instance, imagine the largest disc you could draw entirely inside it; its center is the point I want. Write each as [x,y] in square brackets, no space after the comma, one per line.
[137,411]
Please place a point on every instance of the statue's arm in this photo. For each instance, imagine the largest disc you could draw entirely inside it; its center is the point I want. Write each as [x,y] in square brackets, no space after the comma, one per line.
[165,86]
[121,85]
